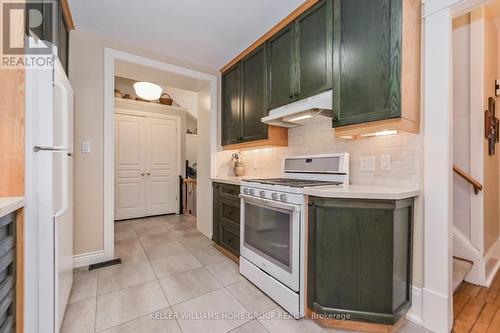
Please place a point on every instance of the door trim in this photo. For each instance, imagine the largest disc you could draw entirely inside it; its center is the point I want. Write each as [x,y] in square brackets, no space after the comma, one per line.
[110,56]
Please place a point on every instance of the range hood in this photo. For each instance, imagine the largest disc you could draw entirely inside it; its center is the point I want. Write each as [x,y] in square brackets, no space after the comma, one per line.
[302,112]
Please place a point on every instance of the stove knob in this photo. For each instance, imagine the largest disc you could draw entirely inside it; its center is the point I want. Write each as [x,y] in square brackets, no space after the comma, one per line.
[262,194]
[245,190]
[251,191]
[274,196]
[283,197]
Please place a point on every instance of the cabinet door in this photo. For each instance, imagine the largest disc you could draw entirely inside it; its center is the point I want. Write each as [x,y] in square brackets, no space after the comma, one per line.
[62,40]
[314,50]
[280,57]
[231,106]
[253,88]
[367,60]
[351,243]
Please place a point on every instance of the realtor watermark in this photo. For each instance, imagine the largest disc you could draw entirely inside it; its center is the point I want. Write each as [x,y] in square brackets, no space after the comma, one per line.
[28,33]
[240,316]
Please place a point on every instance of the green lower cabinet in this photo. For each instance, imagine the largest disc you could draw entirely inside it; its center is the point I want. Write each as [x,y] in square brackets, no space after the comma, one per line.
[226,217]
[360,258]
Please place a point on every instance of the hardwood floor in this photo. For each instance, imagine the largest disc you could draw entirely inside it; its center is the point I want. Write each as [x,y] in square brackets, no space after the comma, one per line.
[477,309]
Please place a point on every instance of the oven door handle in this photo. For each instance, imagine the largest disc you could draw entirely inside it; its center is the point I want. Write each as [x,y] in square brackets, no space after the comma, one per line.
[271,203]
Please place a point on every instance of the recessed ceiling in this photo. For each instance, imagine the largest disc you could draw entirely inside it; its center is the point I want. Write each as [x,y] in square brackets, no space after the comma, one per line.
[208,33]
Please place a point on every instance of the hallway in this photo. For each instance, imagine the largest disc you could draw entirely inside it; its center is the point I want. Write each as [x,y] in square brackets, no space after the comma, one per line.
[476,308]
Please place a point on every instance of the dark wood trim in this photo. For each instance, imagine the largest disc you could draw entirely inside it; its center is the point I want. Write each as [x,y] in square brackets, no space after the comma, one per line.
[228,254]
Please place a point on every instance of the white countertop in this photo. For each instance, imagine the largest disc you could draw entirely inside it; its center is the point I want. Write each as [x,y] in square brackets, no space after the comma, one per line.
[362,192]
[9,205]
[229,180]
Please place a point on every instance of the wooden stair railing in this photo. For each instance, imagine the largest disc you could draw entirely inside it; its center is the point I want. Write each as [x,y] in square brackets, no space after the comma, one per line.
[475,184]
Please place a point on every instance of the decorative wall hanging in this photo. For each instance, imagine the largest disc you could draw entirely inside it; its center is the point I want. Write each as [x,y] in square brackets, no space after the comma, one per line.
[491,126]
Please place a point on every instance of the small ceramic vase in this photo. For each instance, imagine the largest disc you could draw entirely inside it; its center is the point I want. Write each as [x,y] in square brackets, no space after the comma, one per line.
[239,170]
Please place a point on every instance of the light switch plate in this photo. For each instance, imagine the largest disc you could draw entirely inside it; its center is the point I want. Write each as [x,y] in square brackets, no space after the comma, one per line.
[385,162]
[497,87]
[367,163]
[86,147]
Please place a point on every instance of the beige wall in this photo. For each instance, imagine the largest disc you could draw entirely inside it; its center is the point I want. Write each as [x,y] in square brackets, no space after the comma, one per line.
[86,73]
[491,165]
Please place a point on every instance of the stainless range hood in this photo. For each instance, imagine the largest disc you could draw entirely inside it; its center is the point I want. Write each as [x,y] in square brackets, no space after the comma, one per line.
[302,112]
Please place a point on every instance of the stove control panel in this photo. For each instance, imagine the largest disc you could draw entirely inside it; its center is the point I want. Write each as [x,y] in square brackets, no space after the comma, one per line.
[273,195]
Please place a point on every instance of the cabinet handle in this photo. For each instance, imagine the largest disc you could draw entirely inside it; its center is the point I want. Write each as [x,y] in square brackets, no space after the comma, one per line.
[149,173]
[296,94]
[291,96]
[142,174]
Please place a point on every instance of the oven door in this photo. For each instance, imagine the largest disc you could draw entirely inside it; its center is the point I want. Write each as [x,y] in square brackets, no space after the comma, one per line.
[270,233]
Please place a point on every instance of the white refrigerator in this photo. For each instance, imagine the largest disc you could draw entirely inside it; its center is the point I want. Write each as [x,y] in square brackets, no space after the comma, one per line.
[49,118]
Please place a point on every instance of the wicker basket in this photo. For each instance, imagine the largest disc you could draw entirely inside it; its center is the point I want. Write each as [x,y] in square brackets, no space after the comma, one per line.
[166,101]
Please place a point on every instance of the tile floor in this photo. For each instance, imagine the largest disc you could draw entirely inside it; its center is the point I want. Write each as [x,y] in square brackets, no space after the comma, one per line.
[172,279]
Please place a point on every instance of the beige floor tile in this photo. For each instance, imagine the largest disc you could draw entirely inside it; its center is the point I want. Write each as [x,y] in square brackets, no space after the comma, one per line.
[196,242]
[149,228]
[251,297]
[227,272]
[157,251]
[130,251]
[84,285]
[187,285]
[123,276]
[158,238]
[80,317]
[185,233]
[278,321]
[225,310]
[124,235]
[208,255]
[123,226]
[159,322]
[174,264]
[251,327]
[127,304]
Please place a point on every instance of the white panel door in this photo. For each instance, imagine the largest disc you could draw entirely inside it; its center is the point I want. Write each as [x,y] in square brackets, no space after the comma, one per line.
[130,166]
[162,162]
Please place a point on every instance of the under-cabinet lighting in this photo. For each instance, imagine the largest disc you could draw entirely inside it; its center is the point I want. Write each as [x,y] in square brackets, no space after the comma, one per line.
[298,118]
[381,133]
[148,90]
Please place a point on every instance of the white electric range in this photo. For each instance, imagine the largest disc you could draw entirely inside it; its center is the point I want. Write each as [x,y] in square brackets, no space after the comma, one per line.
[273,215]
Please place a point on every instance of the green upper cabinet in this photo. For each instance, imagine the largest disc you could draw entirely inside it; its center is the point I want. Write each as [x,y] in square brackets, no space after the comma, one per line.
[281,67]
[367,60]
[231,105]
[314,50]
[300,56]
[253,97]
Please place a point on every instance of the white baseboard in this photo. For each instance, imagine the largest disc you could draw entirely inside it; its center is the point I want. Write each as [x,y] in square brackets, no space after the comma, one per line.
[415,313]
[435,307]
[89,258]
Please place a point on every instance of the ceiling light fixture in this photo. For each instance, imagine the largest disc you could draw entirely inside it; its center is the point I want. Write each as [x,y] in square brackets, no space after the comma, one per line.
[148,90]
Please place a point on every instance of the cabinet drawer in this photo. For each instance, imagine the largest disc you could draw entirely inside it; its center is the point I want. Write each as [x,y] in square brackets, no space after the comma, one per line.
[227,191]
[230,238]
[229,211]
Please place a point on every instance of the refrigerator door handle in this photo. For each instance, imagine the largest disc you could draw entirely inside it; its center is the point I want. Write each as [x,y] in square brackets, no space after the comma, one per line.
[64,189]
[64,112]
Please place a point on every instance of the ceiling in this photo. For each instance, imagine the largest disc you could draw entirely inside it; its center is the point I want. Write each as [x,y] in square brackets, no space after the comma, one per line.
[138,72]
[208,33]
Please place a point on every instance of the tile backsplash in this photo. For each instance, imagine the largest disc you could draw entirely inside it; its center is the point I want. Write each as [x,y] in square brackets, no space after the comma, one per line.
[319,138]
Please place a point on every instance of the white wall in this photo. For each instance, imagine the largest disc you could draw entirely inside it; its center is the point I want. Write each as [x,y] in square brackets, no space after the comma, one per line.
[86,73]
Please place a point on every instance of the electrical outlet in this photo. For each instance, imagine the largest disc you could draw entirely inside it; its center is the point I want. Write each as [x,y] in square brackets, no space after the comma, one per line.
[367,163]
[86,147]
[385,162]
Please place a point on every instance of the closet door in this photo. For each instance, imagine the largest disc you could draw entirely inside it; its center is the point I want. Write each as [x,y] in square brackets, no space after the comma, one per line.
[162,166]
[130,165]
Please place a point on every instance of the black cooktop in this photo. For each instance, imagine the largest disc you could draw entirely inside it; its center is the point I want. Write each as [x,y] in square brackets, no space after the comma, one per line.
[293,182]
